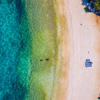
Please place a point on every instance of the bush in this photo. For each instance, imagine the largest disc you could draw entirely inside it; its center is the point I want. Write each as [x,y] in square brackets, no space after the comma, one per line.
[89,1]
[97,5]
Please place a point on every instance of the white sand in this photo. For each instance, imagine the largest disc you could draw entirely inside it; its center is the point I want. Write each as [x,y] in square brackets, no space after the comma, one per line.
[83,83]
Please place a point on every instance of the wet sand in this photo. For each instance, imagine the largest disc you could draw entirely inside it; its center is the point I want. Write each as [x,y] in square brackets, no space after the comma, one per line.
[65,51]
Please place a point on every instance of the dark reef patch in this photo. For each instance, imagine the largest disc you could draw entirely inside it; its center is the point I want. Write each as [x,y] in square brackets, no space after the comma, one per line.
[9,1]
[20,8]
[20,90]
[6,96]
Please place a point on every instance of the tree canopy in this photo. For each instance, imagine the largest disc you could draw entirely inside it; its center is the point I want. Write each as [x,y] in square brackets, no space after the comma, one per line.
[97,5]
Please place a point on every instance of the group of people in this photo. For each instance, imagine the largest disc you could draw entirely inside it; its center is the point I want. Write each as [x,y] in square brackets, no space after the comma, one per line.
[48,59]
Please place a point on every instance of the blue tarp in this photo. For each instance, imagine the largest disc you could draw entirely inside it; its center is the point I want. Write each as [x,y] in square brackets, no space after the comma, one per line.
[88,63]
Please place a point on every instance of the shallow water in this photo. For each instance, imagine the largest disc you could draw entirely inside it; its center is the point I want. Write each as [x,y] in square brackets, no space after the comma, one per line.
[28,33]
[43,28]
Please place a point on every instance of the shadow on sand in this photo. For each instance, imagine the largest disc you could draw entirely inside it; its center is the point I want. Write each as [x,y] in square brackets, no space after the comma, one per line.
[89,7]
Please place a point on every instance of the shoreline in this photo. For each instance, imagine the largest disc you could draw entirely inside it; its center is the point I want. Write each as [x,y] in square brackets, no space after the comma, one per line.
[60,90]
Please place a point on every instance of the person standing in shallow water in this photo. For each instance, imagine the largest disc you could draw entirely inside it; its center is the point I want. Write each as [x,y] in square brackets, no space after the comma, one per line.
[48,59]
[42,60]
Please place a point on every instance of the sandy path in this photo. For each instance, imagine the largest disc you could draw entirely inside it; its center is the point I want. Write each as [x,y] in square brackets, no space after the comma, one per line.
[84,83]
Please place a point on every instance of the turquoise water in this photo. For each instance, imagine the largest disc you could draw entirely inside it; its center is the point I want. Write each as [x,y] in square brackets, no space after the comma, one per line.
[14,51]
[9,48]
[28,33]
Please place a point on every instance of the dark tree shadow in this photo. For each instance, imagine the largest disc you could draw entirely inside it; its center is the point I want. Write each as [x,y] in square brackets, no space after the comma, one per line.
[89,7]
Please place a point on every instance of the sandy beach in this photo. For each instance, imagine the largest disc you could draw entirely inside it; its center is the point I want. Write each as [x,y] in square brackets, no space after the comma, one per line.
[84,34]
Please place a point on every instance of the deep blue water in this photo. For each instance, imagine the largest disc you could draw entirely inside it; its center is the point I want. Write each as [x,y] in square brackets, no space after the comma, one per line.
[9,48]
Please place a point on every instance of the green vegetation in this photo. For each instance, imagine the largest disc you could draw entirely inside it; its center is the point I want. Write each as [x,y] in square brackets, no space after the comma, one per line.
[97,4]
[89,1]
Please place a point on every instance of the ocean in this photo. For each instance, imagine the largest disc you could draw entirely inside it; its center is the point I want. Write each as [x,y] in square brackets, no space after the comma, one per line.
[28,34]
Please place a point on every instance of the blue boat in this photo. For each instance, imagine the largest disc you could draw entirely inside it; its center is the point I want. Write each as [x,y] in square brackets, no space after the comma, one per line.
[88,63]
